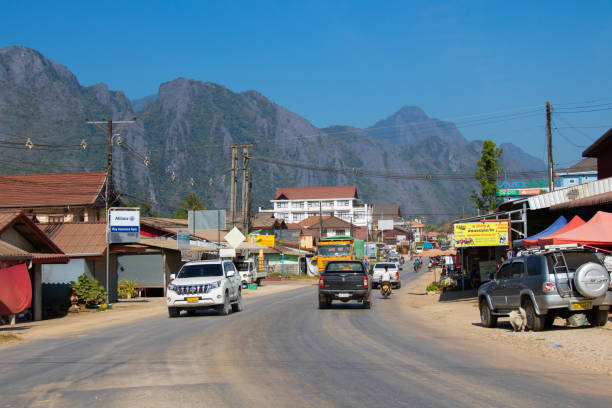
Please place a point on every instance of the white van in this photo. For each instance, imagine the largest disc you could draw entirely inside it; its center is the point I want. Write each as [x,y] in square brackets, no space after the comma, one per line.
[419,250]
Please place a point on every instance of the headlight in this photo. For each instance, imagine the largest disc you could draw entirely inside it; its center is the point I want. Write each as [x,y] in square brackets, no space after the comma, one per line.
[215,285]
[172,287]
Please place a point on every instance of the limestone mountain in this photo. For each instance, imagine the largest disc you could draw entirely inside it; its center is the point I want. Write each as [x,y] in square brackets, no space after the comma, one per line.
[177,144]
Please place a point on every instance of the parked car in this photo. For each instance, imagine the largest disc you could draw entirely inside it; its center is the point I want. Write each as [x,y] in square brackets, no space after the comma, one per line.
[378,270]
[547,284]
[205,285]
[344,281]
[419,250]
[395,260]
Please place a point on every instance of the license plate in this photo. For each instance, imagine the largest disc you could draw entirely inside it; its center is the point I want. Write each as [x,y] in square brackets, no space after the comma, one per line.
[192,300]
[581,305]
[344,295]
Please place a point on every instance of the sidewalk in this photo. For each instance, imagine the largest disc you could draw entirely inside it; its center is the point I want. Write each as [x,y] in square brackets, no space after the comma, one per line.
[124,311]
[457,314]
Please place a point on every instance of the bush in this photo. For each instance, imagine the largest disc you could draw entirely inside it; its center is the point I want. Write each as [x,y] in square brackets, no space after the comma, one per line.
[127,288]
[433,286]
[274,274]
[88,291]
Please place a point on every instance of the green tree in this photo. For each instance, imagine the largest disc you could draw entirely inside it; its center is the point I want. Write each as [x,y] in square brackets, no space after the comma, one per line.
[489,167]
[190,203]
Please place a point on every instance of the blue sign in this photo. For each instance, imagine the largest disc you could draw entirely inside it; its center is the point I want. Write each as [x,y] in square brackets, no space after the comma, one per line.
[124,229]
[182,238]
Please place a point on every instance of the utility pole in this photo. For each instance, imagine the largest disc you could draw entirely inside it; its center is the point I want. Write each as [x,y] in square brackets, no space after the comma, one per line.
[549,147]
[110,133]
[320,222]
[245,189]
[234,180]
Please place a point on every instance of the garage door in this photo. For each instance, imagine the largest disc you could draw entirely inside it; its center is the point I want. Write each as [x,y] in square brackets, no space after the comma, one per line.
[145,270]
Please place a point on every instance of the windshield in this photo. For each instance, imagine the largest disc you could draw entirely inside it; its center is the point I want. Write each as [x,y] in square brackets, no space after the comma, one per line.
[382,266]
[242,266]
[200,271]
[335,250]
[339,267]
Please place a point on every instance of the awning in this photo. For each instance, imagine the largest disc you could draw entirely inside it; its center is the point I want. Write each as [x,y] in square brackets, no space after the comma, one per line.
[15,290]
[550,240]
[596,232]
[599,199]
[552,228]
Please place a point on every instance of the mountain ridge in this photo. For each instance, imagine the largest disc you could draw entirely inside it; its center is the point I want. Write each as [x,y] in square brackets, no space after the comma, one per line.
[182,129]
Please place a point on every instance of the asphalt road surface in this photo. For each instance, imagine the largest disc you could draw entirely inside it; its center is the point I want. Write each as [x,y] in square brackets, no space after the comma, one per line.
[283,351]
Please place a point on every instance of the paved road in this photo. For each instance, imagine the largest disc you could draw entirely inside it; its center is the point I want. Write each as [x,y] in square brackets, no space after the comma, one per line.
[283,351]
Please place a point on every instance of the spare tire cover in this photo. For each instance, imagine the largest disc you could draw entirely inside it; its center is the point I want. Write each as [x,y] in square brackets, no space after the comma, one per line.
[591,280]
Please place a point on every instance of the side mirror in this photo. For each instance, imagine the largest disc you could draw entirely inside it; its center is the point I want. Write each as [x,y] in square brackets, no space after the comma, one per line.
[172,276]
[230,274]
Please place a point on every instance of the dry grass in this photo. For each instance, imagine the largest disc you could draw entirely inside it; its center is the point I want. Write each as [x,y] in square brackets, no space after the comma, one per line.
[9,338]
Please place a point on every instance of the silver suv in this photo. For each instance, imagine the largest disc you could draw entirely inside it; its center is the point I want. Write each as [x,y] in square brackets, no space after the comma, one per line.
[547,284]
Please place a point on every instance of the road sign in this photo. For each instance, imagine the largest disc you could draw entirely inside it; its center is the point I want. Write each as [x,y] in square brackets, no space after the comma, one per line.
[182,239]
[234,237]
[227,253]
[124,225]
[385,225]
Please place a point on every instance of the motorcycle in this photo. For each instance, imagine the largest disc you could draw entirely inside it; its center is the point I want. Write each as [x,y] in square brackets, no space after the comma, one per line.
[385,289]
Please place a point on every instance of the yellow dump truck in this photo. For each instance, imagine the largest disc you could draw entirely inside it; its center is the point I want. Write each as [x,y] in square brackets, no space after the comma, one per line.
[338,249]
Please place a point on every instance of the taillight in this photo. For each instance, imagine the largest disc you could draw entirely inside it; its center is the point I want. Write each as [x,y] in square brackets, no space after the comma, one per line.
[397,275]
[365,281]
[548,287]
[321,282]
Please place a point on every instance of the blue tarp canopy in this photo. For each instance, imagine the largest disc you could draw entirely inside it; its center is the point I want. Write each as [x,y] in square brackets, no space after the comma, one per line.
[552,228]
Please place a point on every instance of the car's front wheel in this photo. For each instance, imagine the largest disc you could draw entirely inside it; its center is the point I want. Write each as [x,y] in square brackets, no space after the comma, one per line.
[237,306]
[224,309]
[486,315]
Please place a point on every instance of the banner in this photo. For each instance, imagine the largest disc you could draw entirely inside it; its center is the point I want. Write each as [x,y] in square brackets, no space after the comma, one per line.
[265,240]
[474,234]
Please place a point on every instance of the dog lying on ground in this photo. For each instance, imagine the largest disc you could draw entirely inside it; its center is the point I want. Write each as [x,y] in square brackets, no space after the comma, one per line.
[518,319]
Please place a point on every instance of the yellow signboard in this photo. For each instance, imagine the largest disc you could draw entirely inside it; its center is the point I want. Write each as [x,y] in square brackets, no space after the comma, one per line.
[265,240]
[474,234]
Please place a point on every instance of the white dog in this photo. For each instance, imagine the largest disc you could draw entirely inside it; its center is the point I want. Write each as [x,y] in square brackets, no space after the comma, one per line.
[518,319]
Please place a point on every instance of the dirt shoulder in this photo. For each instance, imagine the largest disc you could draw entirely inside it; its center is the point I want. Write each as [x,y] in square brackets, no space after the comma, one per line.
[456,313]
[122,312]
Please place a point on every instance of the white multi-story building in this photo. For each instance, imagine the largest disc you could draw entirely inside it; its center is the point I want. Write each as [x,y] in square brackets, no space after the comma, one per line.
[296,204]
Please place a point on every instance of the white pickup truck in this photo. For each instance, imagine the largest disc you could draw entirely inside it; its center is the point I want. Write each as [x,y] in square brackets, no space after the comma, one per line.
[249,273]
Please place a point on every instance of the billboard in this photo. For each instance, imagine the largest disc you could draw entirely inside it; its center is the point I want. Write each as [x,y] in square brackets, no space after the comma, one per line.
[265,240]
[124,225]
[474,234]
[385,225]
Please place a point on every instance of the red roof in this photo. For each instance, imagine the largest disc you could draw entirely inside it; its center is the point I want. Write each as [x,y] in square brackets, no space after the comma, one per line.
[87,238]
[327,221]
[320,192]
[48,190]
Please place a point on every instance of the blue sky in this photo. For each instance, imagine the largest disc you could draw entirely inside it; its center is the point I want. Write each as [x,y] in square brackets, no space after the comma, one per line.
[351,62]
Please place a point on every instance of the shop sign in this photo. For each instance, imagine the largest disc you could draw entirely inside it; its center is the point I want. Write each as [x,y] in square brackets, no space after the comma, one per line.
[265,240]
[182,239]
[124,225]
[520,192]
[522,184]
[370,250]
[475,234]
[306,242]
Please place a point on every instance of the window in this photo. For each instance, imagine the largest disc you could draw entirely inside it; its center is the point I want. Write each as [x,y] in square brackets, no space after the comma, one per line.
[327,204]
[340,232]
[518,268]
[534,265]
[313,204]
[344,267]
[342,203]
[504,272]
[282,204]
[298,204]
[56,218]
[334,250]
[296,217]
[199,271]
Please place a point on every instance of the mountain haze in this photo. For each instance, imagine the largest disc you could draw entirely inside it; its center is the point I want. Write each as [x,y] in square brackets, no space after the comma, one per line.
[177,144]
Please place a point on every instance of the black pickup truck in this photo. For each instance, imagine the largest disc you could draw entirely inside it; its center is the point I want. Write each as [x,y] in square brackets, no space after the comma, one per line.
[344,281]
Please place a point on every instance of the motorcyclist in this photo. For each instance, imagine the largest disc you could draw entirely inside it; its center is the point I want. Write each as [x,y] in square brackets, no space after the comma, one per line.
[385,278]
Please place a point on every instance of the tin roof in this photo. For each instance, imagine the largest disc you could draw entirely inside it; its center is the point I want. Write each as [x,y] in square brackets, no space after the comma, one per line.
[78,238]
[316,192]
[10,252]
[50,190]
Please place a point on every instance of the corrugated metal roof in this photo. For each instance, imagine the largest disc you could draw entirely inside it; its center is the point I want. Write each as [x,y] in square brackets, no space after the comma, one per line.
[49,190]
[318,192]
[10,252]
[78,238]
[569,194]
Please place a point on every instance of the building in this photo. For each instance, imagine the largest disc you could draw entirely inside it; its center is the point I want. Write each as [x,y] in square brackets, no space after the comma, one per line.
[602,151]
[56,197]
[417,228]
[328,225]
[387,212]
[294,205]
[579,173]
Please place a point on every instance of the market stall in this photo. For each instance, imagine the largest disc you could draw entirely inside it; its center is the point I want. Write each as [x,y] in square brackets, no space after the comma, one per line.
[551,229]
[550,239]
